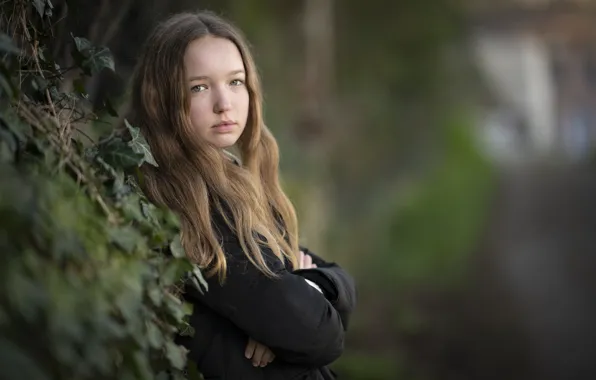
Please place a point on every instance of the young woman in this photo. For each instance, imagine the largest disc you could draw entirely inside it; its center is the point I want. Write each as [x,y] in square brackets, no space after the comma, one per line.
[273,310]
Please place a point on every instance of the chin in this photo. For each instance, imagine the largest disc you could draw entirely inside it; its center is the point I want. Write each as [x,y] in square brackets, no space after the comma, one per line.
[225,141]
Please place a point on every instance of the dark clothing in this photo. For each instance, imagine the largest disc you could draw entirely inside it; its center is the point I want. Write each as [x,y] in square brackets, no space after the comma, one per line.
[302,327]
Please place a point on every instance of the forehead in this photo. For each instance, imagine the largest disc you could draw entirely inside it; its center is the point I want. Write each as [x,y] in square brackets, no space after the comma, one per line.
[212,56]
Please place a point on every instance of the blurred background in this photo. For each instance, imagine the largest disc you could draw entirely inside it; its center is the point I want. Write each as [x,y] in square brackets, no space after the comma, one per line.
[441,151]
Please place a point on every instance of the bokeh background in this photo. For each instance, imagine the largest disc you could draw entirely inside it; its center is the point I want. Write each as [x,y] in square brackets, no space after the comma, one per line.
[440,150]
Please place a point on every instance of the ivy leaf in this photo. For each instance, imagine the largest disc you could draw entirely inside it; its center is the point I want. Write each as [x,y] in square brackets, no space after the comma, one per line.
[139,144]
[148,211]
[171,218]
[175,310]
[128,303]
[178,376]
[107,103]
[20,129]
[39,84]
[92,59]
[8,146]
[120,189]
[40,6]
[16,364]
[125,237]
[116,153]
[7,85]
[176,247]
[28,297]
[44,7]
[154,335]
[66,243]
[176,355]
[143,368]
[131,207]
[174,271]
[197,279]
[7,45]
[154,295]
[192,371]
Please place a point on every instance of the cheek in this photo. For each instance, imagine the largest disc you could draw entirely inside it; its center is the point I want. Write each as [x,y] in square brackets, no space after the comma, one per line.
[244,103]
[198,114]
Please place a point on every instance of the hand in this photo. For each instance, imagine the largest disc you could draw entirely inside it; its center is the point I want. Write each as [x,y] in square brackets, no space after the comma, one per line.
[260,354]
[305,261]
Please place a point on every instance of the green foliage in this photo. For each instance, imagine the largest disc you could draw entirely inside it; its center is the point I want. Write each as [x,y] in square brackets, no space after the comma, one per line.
[43,7]
[90,270]
[436,221]
[417,251]
[139,144]
[90,58]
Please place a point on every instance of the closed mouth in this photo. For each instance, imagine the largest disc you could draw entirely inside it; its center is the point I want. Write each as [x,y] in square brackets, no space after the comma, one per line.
[224,123]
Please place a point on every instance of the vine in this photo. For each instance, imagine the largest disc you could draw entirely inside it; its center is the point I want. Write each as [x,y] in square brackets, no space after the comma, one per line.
[91,271]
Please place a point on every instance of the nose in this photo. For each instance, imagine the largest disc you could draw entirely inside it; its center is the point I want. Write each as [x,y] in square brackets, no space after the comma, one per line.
[222,101]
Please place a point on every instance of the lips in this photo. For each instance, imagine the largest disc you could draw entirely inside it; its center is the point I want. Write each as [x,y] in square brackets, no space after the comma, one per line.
[224,126]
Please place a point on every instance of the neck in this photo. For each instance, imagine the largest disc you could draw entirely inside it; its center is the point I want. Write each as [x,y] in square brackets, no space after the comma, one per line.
[232,157]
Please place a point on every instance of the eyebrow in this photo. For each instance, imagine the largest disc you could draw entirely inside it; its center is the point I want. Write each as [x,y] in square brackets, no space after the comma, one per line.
[203,77]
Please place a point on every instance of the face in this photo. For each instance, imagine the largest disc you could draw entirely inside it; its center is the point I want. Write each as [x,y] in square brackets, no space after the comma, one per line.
[219,100]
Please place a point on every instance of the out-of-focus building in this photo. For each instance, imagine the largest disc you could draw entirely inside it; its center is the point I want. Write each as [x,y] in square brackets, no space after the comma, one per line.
[538,58]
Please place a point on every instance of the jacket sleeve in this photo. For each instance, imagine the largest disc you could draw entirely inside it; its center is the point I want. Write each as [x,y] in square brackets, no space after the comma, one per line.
[337,285]
[285,313]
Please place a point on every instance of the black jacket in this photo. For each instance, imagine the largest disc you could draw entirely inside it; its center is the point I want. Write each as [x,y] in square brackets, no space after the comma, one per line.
[304,328]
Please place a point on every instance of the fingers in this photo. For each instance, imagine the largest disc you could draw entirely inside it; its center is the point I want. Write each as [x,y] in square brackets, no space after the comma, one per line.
[250,348]
[267,357]
[259,354]
[305,261]
[262,356]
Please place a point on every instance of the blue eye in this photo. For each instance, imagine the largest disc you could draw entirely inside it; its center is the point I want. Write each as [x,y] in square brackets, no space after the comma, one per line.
[198,88]
[237,82]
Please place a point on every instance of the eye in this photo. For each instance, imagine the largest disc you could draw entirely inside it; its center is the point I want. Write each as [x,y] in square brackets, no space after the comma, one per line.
[237,82]
[198,88]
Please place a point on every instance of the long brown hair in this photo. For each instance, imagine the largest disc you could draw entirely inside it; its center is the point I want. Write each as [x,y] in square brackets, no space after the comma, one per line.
[195,179]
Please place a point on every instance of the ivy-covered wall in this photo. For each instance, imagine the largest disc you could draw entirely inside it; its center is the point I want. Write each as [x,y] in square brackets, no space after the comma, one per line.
[89,270]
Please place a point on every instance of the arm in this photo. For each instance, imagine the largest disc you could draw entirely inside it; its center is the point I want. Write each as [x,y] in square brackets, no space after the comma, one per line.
[285,314]
[337,285]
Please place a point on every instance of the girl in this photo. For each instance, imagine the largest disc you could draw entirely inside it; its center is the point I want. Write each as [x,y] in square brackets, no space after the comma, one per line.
[273,310]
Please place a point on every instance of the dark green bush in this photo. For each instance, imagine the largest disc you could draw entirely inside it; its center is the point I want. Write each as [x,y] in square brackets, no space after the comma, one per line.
[90,270]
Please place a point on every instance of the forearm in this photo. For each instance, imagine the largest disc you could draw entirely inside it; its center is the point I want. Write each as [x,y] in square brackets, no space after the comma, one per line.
[336,284]
[286,314]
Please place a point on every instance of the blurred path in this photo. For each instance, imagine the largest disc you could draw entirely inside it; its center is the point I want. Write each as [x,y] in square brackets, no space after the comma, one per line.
[529,309]
[538,274]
